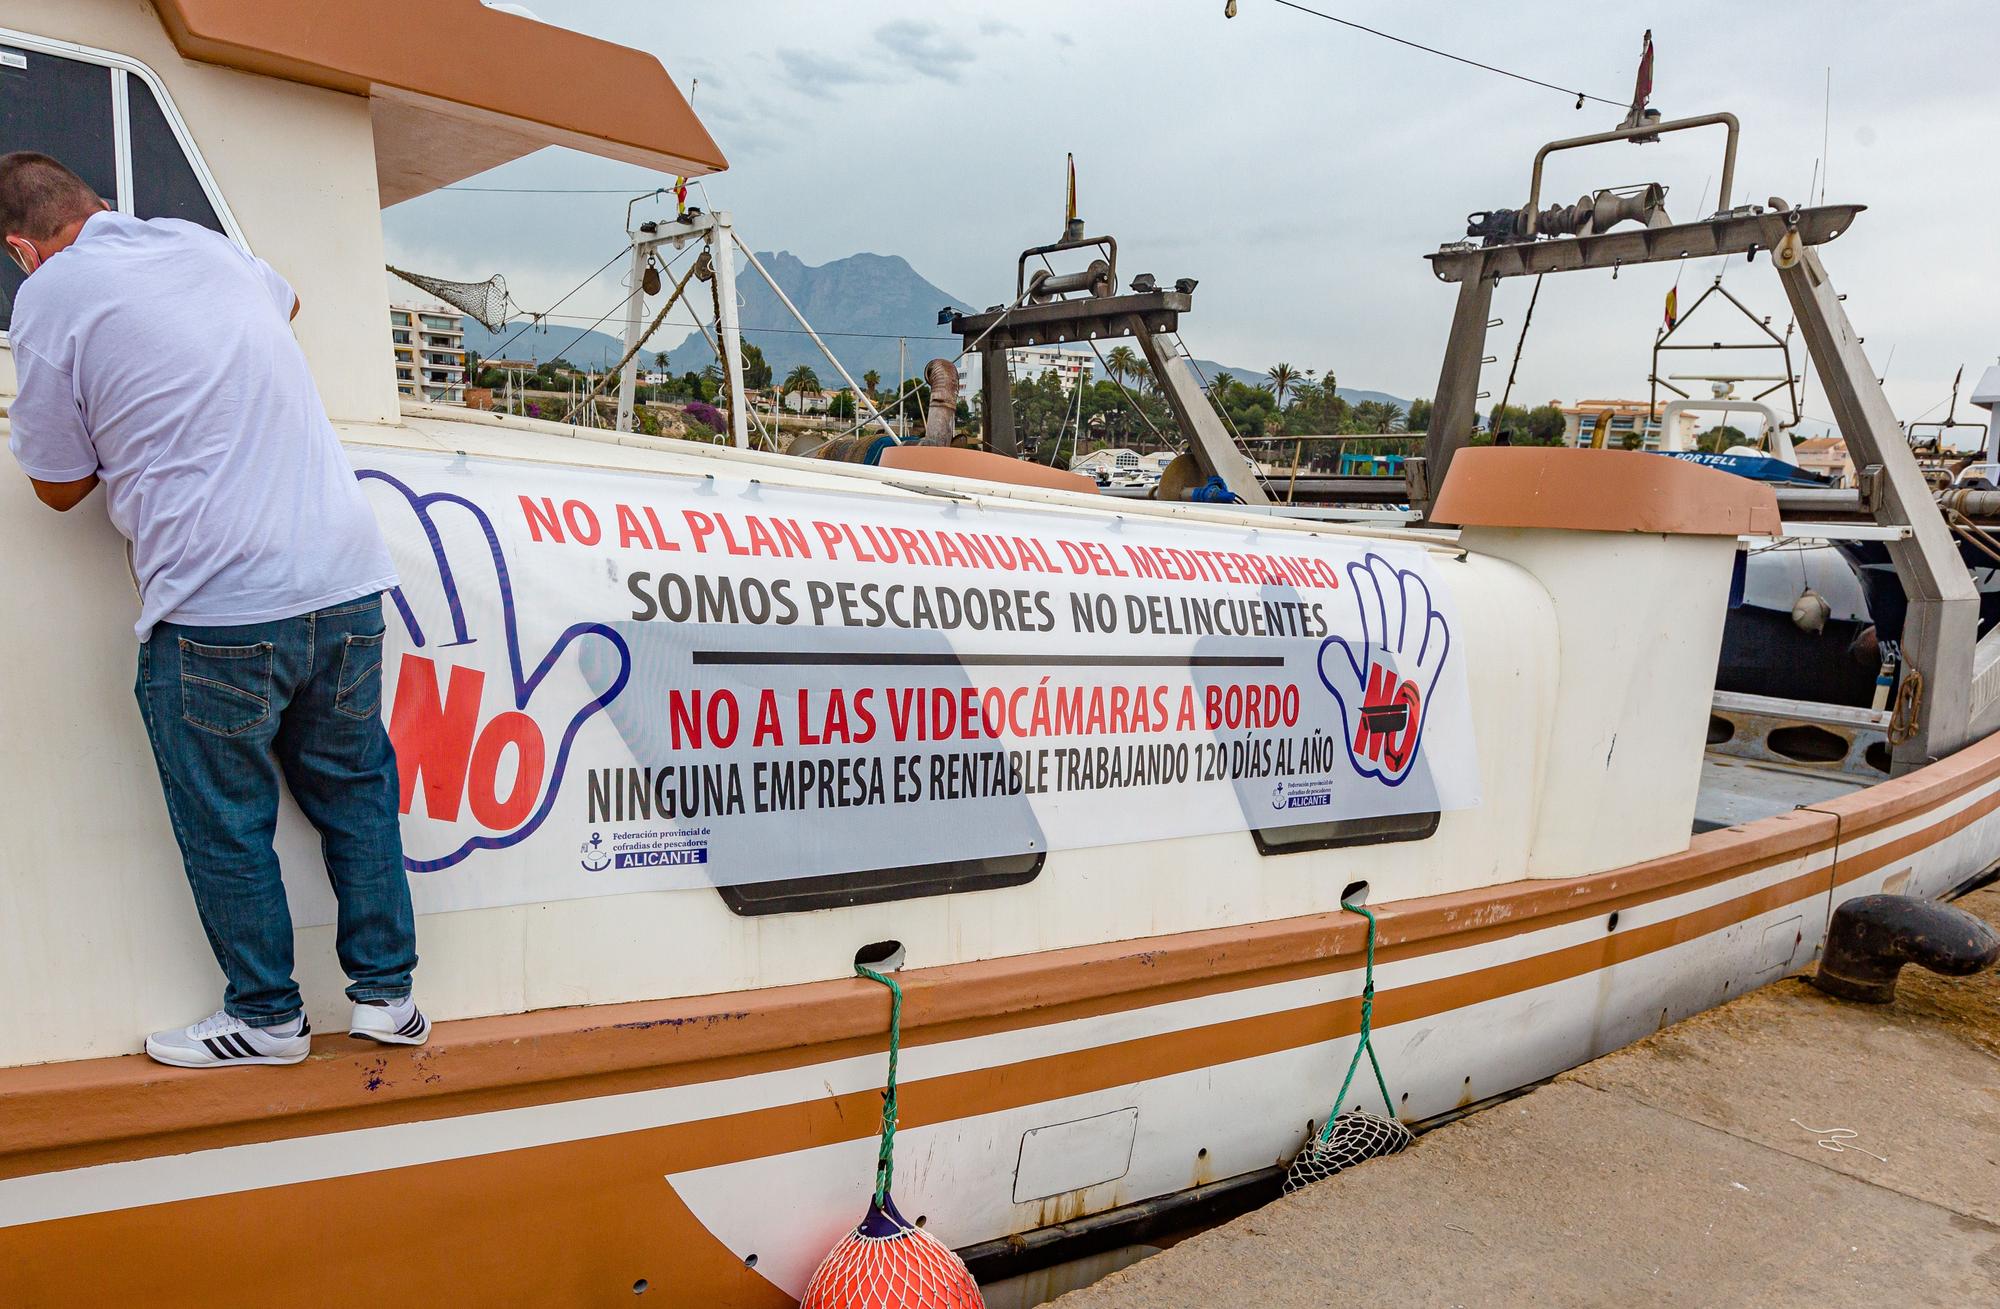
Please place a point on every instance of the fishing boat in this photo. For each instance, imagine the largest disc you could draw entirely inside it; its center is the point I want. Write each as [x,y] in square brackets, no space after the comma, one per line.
[688,731]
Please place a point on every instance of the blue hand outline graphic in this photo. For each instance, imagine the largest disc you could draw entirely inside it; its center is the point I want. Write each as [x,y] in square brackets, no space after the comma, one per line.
[1384,689]
[525,682]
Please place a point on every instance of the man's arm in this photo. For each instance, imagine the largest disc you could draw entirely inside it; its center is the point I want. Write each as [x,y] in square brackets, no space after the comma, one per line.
[64,496]
[49,438]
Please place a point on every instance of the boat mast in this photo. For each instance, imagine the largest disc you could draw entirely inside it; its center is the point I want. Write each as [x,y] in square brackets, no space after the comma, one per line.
[723,260]
[717,235]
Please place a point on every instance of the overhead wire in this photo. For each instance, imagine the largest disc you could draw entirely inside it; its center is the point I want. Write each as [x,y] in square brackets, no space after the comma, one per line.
[1581,96]
[551,190]
[534,319]
[800,331]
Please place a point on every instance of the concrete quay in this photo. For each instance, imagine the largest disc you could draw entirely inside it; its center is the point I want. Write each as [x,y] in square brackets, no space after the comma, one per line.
[1785,1149]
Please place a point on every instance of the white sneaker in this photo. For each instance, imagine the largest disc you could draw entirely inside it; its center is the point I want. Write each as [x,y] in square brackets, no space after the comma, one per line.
[392,1022]
[219,1040]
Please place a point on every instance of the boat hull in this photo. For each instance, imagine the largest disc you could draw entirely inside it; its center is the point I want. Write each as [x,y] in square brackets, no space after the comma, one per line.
[713,1148]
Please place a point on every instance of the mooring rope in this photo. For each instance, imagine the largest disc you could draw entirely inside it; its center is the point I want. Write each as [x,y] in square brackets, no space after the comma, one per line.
[1366,1044]
[885,1158]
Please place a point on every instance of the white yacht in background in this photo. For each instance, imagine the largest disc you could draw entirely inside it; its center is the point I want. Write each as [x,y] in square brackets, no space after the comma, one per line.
[688,730]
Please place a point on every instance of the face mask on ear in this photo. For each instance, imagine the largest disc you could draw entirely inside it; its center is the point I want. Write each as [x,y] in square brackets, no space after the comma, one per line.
[22,251]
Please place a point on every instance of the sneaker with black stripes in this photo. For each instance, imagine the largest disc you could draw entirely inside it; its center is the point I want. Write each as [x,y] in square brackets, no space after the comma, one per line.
[220,1041]
[392,1022]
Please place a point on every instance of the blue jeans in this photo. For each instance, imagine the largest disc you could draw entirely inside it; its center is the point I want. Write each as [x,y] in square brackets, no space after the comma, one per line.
[229,711]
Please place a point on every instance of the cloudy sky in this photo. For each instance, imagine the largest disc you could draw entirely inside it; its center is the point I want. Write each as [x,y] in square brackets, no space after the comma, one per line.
[1301,169]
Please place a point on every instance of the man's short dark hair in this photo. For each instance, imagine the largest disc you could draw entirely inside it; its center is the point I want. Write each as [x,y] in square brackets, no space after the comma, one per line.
[39,197]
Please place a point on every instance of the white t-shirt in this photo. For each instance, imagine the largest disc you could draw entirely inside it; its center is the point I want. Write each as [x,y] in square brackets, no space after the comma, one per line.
[160,356]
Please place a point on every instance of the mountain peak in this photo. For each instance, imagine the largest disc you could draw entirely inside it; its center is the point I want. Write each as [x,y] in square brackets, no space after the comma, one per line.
[864,305]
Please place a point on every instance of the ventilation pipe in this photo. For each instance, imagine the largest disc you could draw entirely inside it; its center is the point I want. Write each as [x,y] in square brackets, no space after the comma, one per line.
[941,418]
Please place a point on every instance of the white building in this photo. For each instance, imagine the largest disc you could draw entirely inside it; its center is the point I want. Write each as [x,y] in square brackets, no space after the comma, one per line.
[1117,459]
[1069,366]
[1626,418]
[429,341]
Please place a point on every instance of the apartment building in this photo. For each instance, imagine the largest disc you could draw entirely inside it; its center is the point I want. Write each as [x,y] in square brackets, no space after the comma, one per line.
[1827,456]
[1627,417]
[429,345]
[1069,366]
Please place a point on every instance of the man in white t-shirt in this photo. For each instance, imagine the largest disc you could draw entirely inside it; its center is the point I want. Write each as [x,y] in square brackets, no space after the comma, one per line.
[156,358]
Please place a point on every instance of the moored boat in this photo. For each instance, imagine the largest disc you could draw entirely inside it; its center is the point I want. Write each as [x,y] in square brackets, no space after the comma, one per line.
[1121,765]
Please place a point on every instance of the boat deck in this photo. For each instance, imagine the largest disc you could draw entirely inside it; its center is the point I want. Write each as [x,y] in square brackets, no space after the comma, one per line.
[1735,791]
[1709,1164]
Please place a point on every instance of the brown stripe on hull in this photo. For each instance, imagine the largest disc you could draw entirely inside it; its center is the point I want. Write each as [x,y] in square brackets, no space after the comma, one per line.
[592,1216]
[70,1115]
[576,1224]
[601,1207]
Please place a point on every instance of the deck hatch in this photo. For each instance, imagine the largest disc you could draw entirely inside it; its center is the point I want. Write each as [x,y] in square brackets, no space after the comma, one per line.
[1065,1157]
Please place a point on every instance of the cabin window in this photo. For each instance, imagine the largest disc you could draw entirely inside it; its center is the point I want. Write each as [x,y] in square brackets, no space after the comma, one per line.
[880,885]
[164,184]
[62,108]
[1345,832]
[103,117]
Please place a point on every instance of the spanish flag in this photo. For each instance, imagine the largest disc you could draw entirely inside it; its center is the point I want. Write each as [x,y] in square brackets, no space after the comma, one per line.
[1673,306]
[681,195]
[1069,212]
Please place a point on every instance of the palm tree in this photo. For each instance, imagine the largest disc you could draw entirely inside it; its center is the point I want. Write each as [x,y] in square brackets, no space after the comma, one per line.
[1377,415]
[1282,376]
[1221,384]
[870,380]
[1122,362]
[802,378]
[660,360]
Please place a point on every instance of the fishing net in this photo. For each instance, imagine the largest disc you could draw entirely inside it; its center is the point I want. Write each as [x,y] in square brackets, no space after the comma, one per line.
[1355,1136]
[485,301]
[888,1262]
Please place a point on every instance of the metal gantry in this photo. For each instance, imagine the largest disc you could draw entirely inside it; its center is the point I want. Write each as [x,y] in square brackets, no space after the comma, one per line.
[1053,308]
[1960,681]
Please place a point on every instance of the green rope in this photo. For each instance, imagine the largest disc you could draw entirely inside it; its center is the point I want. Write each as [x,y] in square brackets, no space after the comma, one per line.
[1366,1044]
[885,1160]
